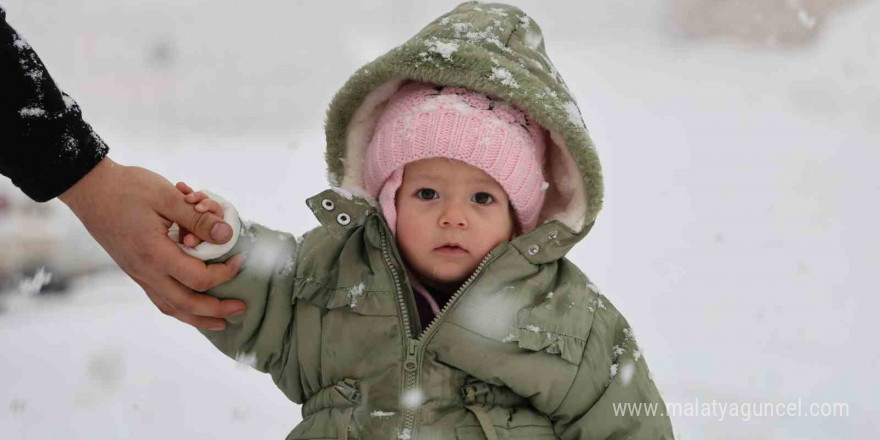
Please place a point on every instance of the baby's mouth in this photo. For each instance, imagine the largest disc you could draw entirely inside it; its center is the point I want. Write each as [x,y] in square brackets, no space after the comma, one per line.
[451,249]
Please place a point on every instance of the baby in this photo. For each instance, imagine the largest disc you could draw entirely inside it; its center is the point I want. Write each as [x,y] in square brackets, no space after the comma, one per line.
[434,300]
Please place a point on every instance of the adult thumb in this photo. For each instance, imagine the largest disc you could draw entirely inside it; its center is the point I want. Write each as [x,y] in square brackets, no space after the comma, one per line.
[205,225]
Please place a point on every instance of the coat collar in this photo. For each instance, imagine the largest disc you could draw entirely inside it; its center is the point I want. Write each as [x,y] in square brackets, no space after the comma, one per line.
[341,212]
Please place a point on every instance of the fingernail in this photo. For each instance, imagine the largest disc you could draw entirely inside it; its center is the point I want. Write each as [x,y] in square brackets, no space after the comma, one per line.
[217,327]
[221,232]
[237,312]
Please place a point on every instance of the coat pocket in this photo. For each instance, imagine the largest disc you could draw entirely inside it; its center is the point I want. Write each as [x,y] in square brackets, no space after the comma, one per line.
[559,327]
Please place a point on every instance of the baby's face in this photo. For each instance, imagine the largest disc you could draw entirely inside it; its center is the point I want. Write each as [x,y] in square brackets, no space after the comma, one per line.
[443,200]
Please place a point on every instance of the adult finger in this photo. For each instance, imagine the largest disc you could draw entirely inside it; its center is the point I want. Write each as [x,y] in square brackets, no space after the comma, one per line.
[179,302]
[190,240]
[185,301]
[158,299]
[199,276]
[205,225]
[184,188]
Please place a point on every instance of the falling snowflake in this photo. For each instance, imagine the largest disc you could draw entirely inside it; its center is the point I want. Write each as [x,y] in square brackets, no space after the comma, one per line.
[412,398]
[381,414]
[626,372]
[533,39]
[545,185]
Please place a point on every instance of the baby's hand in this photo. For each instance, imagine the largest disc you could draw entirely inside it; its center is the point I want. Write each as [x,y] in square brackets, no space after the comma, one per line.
[202,204]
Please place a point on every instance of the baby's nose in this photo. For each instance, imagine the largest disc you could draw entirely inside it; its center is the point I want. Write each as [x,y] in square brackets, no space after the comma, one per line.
[453,215]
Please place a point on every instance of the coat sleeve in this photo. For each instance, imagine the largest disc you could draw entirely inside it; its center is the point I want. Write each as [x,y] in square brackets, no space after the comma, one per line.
[613,395]
[263,336]
[45,146]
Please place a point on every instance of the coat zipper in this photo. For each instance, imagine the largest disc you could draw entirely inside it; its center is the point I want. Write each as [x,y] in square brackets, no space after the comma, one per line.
[413,346]
[418,344]
[410,364]
[401,301]
[426,332]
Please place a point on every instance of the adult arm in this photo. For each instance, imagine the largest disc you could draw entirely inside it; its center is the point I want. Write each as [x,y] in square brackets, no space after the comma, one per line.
[128,211]
[45,146]
[48,150]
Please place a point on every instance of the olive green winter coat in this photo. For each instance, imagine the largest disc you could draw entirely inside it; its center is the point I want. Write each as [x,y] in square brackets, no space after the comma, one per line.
[526,348]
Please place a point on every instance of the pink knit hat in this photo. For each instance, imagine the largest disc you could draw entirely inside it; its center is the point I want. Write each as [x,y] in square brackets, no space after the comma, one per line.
[423,121]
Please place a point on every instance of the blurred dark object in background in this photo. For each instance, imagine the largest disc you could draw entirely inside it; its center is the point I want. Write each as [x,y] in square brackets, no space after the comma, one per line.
[43,238]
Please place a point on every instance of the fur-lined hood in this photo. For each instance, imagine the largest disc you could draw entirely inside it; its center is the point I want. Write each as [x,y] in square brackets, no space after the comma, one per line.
[495,49]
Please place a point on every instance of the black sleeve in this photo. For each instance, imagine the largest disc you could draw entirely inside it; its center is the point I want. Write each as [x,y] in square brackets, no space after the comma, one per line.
[45,146]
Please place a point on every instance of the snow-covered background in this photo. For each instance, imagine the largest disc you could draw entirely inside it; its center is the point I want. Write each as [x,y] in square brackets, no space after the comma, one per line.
[739,142]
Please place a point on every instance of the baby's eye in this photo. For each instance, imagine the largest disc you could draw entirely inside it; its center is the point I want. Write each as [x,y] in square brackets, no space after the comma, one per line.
[427,191]
[487,198]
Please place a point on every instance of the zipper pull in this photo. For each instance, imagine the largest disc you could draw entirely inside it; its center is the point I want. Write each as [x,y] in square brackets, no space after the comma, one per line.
[411,350]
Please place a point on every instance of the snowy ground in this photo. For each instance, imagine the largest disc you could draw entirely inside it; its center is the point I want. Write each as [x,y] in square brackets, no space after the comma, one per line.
[738,235]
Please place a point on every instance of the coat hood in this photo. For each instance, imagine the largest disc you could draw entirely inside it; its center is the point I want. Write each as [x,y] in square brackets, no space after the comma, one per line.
[491,48]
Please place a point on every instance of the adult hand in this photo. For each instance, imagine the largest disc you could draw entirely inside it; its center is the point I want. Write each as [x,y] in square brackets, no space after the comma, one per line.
[128,210]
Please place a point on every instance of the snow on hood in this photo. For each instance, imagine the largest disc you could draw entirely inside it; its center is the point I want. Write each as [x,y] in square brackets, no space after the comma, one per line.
[492,48]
